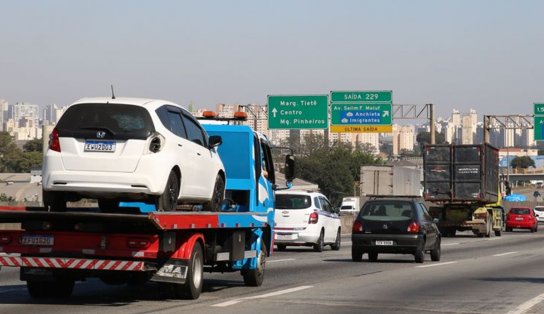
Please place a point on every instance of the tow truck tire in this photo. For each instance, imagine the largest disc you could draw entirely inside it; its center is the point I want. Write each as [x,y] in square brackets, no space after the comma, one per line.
[59,288]
[255,277]
[54,201]
[192,287]
[214,205]
[169,198]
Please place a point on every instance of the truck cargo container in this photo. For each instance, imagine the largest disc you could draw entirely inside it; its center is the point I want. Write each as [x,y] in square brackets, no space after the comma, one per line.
[387,180]
[462,183]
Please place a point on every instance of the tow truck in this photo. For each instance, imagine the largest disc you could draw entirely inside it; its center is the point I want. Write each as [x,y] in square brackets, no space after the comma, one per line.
[56,249]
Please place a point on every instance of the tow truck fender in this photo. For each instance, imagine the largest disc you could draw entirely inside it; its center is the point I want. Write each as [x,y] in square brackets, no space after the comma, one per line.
[186,244]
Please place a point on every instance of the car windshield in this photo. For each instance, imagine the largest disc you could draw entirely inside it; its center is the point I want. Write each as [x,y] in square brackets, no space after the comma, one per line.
[293,201]
[391,211]
[520,211]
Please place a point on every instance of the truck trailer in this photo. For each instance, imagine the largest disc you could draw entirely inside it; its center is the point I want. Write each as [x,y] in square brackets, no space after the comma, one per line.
[462,184]
[55,249]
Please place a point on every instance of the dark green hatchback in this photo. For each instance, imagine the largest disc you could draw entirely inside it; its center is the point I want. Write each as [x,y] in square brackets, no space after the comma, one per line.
[395,225]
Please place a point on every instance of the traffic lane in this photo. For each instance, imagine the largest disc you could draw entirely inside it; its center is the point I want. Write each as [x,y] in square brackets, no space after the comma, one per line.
[499,283]
[297,267]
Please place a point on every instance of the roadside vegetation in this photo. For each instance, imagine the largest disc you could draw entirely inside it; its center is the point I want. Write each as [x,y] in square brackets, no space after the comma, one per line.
[336,169]
[15,159]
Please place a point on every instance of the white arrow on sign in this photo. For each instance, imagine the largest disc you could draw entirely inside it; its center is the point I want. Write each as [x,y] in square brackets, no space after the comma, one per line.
[274,111]
[385,114]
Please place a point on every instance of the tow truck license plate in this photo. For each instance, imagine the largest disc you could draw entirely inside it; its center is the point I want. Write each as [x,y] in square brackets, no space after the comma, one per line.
[384,242]
[37,240]
[99,146]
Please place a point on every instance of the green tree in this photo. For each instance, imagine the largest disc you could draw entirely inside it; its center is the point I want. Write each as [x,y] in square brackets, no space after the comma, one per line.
[35,145]
[523,162]
[9,153]
[335,169]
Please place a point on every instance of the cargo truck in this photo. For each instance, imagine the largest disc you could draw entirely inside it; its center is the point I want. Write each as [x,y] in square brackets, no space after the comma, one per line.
[462,184]
[55,249]
[389,180]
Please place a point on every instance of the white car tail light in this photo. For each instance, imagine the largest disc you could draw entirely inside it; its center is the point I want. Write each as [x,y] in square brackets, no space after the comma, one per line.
[54,142]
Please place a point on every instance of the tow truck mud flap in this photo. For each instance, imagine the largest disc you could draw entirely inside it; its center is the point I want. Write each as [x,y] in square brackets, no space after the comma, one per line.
[174,271]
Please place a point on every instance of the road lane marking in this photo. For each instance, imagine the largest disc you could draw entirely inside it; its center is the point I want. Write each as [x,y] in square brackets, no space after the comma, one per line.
[439,264]
[454,243]
[503,254]
[281,260]
[525,307]
[261,296]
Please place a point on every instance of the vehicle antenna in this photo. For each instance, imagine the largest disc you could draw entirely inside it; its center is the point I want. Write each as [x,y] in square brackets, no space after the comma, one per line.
[112,93]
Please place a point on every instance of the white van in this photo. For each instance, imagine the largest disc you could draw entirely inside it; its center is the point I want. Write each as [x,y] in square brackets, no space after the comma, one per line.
[350,205]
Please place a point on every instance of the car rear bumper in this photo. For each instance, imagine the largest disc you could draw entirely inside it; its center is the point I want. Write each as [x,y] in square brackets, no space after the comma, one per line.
[308,236]
[519,225]
[393,243]
[103,183]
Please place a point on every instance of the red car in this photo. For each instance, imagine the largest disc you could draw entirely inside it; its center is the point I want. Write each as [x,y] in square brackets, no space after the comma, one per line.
[521,218]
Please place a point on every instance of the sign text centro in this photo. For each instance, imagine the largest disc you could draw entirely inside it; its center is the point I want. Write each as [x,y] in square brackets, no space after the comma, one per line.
[298,112]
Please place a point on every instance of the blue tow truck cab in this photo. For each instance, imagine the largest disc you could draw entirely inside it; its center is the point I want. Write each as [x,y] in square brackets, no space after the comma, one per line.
[55,249]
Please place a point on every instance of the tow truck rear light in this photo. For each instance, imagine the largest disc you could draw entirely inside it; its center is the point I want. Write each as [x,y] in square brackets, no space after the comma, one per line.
[314,217]
[54,142]
[413,227]
[135,243]
[357,227]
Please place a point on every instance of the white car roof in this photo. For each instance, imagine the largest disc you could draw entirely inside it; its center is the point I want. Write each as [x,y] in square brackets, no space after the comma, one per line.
[303,192]
[144,102]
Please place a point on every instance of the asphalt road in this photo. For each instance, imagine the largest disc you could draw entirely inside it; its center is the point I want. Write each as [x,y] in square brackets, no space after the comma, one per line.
[476,275]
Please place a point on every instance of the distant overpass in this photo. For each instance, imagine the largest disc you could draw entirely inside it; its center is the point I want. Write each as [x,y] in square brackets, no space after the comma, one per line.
[513,177]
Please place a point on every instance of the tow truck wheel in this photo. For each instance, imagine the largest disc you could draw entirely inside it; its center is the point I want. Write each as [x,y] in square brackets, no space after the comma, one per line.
[169,198]
[59,288]
[255,277]
[54,201]
[214,205]
[192,287]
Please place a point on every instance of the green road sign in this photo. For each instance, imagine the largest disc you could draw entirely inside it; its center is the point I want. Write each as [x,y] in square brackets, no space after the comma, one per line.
[298,112]
[539,129]
[539,109]
[362,96]
[361,111]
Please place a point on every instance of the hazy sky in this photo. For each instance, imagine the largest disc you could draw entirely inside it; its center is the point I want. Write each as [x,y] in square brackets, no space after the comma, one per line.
[487,55]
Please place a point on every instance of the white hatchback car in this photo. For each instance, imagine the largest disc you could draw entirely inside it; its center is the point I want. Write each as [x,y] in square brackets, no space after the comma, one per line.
[306,219]
[539,212]
[131,149]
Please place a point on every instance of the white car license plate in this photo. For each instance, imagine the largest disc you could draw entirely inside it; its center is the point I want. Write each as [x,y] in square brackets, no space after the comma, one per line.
[519,218]
[390,242]
[286,236]
[99,146]
[37,240]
